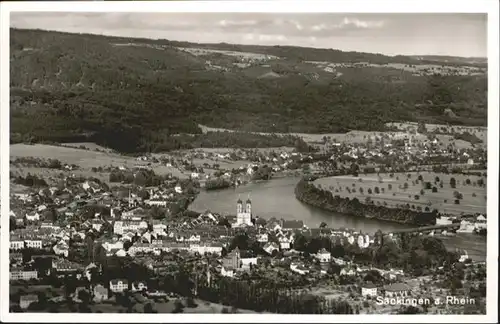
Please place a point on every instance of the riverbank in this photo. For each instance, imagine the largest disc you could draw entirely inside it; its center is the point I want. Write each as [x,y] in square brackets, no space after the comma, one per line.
[275,199]
[309,194]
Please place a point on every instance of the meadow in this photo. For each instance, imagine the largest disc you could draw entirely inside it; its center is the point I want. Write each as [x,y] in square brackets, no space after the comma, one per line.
[405,188]
[362,137]
[85,159]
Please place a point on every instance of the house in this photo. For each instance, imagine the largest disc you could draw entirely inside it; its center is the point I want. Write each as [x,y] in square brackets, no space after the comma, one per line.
[26,300]
[118,285]
[97,224]
[33,244]
[262,238]
[270,247]
[139,286]
[120,253]
[61,248]
[348,271]
[19,274]
[232,260]
[100,293]
[324,256]
[63,266]
[246,263]
[213,248]
[397,290]
[369,289]
[470,162]
[16,244]
[339,261]
[33,217]
[299,269]
[463,256]
[156,202]
[16,258]
[121,227]
[227,271]
[159,228]
[284,242]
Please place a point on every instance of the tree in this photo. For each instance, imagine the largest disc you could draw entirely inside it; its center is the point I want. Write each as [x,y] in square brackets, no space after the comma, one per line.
[434,189]
[323,225]
[377,190]
[389,186]
[458,195]
[453,183]
[405,186]
[420,177]
[148,308]
[370,191]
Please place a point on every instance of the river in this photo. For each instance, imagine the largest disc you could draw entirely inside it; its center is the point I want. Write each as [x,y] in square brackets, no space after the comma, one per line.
[276,198]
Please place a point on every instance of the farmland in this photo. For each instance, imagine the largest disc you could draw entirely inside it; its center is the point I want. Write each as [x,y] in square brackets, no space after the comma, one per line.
[85,159]
[362,137]
[392,192]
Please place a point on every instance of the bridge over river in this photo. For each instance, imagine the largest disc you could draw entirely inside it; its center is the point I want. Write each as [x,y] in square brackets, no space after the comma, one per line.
[424,229]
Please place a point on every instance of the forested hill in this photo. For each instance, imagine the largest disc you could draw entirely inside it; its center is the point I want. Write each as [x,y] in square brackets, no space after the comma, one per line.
[133,94]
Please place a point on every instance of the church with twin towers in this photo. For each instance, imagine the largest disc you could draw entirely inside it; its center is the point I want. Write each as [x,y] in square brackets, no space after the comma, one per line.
[243,213]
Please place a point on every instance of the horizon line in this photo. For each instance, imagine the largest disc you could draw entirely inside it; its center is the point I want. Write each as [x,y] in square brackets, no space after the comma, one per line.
[253,44]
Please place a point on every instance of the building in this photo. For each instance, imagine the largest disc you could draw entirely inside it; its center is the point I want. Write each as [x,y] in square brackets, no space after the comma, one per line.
[284,242]
[139,286]
[16,258]
[100,293]
[397,290]
[443,220]
[270,247]
[227,271]
[26,300]
[232,260]
[324,256]
[16,244]
[156,202]
[369,289]
[262,238]
[243,215]
[33,217]
[118,285]
[19,274]
[121,227]
[33,244]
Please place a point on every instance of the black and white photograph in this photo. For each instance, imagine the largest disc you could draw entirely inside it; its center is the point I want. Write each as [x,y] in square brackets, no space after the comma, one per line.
[249,165]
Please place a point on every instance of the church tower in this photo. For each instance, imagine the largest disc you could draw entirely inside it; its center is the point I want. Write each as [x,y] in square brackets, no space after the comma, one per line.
[248,207]
[239,207]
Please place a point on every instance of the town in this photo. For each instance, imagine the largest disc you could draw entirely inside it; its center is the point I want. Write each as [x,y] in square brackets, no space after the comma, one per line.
[130,242]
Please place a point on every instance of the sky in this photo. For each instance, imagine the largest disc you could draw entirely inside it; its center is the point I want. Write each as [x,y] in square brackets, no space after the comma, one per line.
[390,34]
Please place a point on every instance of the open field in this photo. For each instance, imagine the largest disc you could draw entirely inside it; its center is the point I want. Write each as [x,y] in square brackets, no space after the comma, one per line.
[89,146]
[443,200]
[85,159]
[362,137]
[479,131]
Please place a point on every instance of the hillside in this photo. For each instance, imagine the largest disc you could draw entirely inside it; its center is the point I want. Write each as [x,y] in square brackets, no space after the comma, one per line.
[134,94]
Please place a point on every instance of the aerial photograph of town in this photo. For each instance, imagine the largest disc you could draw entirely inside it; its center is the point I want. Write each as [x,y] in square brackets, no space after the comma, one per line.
[248,163]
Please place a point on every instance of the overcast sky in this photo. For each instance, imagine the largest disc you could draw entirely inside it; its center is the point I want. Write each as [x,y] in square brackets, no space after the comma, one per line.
[391,34]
